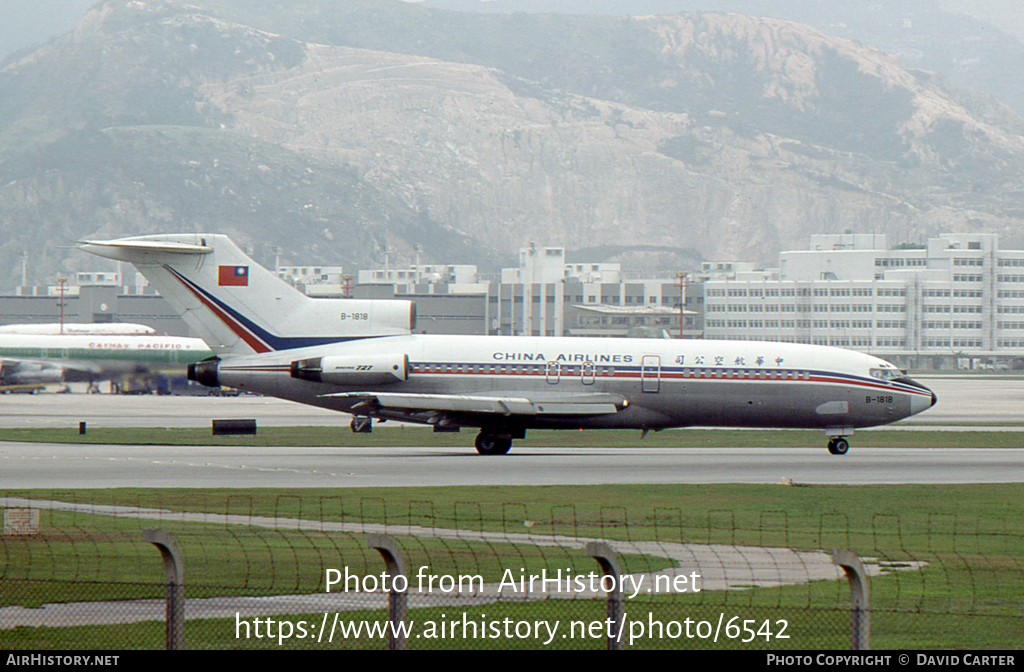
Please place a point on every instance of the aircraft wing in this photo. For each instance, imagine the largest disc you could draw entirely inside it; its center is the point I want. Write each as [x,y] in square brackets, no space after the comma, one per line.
[432,407]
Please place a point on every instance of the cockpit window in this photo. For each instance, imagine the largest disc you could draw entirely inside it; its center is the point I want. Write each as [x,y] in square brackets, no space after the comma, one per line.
[886,374]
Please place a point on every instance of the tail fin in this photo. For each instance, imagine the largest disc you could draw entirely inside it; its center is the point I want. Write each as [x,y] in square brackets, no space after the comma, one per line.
[239,307]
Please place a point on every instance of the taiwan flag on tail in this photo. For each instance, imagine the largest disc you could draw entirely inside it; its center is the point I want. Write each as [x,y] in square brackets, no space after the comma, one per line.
[233,276]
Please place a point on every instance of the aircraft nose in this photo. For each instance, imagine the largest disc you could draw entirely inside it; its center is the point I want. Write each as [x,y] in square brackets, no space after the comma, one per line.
[920,402]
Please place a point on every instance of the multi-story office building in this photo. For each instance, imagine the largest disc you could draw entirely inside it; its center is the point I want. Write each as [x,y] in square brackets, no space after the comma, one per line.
[450,299]
[543,296]
[406,279]
[323,281]
[546,296]
[645,305]
[956,301]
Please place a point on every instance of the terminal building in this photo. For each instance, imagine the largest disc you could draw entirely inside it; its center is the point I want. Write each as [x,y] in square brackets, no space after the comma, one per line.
[543,296]
[955,302]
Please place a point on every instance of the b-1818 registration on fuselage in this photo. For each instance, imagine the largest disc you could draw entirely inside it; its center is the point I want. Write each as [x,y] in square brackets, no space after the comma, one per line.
[361,357]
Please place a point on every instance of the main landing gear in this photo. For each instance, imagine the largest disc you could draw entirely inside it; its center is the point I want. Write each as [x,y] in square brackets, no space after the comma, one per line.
[838,445]
[492,444]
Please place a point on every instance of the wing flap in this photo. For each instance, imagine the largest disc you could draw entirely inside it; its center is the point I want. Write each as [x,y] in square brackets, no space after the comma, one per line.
[596,404]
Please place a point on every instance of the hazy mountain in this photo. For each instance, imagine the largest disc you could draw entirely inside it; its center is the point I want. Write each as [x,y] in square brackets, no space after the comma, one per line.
[23,24]
[977,45]
[335,129]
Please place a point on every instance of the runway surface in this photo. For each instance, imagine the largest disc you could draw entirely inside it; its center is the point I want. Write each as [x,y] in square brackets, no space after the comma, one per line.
[25,465]
[108,410]
[988,400]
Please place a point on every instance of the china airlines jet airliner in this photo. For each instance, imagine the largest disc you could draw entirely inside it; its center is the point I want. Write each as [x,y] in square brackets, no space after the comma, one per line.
[361,357]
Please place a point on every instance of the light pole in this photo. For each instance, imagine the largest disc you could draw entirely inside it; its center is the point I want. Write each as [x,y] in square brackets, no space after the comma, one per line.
[682,301]
[62,285]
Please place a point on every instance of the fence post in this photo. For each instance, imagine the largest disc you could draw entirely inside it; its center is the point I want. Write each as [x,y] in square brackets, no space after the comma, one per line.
[860,606]
[606,558]
[398,600]
[175,572]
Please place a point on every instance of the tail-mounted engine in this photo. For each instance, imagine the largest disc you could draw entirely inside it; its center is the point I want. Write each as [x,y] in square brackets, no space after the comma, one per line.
[353,369]
[204,372]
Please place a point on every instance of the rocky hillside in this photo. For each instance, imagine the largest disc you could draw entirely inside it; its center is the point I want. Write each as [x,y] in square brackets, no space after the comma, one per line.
[333,130]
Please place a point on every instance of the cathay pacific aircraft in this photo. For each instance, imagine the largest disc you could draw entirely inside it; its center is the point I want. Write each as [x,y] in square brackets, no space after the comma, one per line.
[41,359]
[361,357]
[95,328]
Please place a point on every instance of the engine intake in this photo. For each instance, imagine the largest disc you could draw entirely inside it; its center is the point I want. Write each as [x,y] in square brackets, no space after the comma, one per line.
[204,372]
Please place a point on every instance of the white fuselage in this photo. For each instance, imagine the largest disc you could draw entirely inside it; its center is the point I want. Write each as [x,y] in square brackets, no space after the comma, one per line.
[667,383]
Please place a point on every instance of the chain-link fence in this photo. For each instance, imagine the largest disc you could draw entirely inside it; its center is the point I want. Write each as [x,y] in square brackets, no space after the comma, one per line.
[301,572]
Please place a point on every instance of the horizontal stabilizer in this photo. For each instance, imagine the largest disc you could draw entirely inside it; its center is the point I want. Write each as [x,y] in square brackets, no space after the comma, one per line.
[136,250]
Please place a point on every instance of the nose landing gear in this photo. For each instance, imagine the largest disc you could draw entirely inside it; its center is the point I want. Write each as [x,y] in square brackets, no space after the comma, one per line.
[838,445]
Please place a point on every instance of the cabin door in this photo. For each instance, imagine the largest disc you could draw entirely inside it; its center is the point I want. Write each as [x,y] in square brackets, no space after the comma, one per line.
[650,373]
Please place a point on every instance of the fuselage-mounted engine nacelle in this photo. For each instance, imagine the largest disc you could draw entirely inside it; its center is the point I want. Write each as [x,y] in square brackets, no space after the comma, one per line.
[353,369]
[204,372]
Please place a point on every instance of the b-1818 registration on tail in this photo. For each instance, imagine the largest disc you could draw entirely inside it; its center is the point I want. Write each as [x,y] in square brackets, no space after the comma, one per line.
[362,357]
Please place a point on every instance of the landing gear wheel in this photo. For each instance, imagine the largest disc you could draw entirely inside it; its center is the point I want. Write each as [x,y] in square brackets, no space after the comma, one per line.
[838,446]
[489,444]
